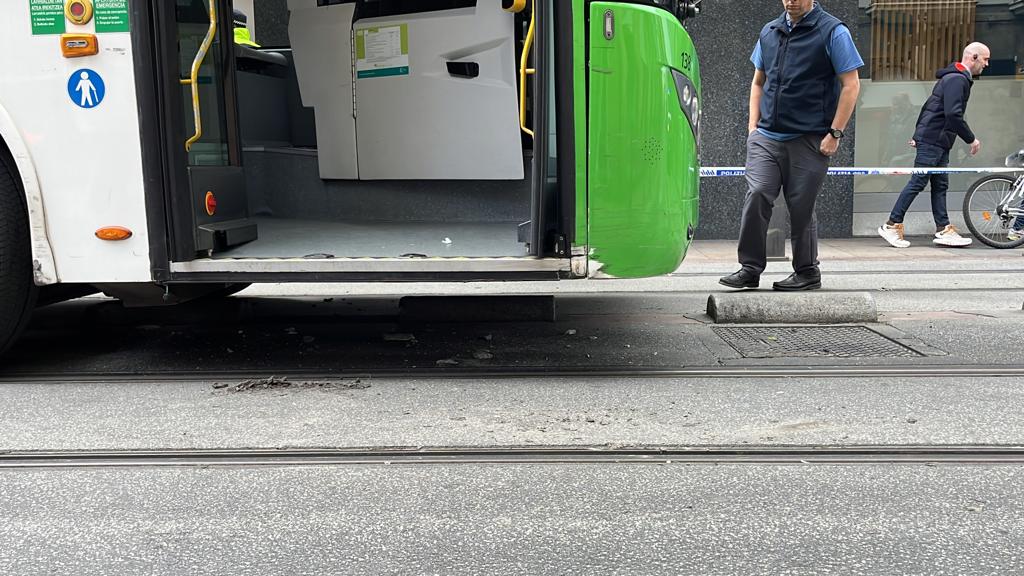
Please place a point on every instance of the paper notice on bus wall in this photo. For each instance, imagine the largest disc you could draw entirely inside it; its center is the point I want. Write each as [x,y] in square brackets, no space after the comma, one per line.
[47,16]
[382,51]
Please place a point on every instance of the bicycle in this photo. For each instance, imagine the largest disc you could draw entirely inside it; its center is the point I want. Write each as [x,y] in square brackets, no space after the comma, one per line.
[994,203]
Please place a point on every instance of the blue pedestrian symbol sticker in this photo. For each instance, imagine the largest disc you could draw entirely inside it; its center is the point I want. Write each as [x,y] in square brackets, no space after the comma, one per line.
[86,88]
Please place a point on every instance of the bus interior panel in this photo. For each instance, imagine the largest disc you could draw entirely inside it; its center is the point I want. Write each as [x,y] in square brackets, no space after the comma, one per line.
[415,151]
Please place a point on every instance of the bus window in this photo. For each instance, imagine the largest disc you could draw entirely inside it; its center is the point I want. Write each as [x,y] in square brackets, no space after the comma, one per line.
[193,22]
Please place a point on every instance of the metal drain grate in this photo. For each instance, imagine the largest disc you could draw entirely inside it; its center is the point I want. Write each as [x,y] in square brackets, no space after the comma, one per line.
[812,341]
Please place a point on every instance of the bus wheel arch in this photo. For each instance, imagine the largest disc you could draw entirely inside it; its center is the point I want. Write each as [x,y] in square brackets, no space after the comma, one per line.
[18,291]
[16,160]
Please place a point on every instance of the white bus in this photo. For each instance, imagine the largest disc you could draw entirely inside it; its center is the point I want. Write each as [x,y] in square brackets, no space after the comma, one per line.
[146,155]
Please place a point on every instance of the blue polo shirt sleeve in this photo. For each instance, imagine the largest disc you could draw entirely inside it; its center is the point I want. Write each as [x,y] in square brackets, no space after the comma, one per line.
[841,50]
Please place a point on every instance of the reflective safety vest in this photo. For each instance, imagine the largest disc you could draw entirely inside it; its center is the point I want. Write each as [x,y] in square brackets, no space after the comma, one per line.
[243,37]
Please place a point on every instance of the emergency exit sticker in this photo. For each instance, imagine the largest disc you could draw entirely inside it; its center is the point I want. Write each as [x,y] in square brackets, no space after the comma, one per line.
[111,16]
[47,16]
[382,51]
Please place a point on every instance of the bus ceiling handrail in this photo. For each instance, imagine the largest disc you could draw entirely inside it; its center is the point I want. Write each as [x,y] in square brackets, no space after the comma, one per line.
[193,79]
[524,72]
[514,6]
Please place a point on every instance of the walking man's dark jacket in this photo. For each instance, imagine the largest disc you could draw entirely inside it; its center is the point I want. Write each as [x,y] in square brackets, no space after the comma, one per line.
[942,116]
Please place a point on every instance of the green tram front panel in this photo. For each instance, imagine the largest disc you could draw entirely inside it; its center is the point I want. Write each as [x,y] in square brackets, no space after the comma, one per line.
[643,165]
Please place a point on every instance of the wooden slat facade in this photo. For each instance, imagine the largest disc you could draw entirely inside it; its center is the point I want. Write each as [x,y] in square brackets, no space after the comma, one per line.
[911,39]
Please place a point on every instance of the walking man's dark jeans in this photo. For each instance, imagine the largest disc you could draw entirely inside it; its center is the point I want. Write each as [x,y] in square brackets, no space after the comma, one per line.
[928,156]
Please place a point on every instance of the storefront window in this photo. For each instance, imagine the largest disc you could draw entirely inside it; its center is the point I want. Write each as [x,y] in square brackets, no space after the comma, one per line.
[904,42]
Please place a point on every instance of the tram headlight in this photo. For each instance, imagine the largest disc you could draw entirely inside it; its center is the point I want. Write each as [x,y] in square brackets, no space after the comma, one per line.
[689,102]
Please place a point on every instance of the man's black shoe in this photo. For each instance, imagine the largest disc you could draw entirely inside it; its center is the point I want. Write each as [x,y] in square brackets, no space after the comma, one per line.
[798,281]
[742,279]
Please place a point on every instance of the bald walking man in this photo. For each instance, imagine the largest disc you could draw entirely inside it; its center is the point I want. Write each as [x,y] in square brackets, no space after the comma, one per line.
[940,123]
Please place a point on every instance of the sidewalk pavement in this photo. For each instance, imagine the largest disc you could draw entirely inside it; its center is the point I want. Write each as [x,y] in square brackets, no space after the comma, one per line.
[869,253]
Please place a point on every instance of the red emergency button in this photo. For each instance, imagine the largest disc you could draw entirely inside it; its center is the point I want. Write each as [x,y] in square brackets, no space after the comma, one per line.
[78,11]
[211,203]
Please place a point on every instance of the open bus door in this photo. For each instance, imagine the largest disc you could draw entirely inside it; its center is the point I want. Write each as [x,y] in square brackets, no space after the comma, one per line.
[195,59]
[210,168]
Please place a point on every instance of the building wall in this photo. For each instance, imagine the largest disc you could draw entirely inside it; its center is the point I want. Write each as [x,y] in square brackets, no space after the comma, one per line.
[725,34]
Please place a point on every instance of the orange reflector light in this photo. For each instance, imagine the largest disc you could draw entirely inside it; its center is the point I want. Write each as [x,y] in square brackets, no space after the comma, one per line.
[987,216]
[78,11]
[113,233]
[78,45]
[211,203]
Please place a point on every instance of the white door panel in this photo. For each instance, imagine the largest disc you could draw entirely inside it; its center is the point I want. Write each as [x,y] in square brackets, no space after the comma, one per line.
[321,39]
[430,124]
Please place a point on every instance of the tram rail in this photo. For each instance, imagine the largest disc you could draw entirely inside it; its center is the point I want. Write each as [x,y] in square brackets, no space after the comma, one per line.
[694,455]
[511,372]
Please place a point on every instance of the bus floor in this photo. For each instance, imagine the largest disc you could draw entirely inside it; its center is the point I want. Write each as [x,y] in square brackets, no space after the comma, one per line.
[294,238]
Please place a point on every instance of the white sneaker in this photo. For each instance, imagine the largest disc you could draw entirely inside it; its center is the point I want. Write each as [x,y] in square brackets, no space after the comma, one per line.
[950,237]
[893,235]
[1013,235]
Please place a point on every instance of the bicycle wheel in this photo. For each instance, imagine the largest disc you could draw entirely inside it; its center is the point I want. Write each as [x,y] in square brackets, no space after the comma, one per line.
[988,214]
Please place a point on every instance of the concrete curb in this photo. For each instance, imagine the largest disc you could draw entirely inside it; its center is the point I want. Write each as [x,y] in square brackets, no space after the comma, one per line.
[792,308]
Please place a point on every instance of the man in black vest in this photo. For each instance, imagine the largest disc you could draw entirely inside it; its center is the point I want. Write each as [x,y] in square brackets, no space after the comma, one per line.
[804,91]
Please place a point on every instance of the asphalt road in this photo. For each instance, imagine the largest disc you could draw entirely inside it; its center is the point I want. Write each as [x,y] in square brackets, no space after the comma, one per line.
[510,518]
[535,519]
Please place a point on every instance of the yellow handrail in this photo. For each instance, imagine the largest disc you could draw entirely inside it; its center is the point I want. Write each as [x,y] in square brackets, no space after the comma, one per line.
[193,79]
[517,6]
[523,70]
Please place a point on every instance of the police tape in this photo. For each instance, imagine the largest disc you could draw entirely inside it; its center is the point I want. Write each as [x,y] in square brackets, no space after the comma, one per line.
[716,171]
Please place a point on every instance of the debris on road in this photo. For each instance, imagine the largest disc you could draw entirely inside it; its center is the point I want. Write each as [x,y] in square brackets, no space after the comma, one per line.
[276,383]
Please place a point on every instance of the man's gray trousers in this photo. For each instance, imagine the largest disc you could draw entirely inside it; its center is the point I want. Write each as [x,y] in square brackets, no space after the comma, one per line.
[797,168]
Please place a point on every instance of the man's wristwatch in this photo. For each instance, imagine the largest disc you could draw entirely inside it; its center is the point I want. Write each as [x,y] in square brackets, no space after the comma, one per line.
[836,133]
